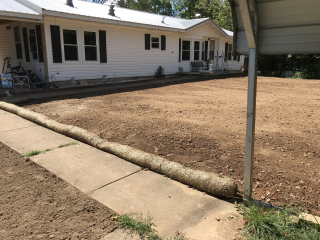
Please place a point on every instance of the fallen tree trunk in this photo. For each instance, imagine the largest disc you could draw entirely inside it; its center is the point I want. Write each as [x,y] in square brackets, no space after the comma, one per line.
[205,181]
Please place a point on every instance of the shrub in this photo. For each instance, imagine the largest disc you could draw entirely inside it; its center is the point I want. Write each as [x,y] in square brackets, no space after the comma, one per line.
[160,72]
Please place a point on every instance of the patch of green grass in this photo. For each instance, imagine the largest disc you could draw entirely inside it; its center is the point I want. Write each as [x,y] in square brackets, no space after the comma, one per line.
[36,152]
[136,223]
[33,153]
[267,224]
[67,144]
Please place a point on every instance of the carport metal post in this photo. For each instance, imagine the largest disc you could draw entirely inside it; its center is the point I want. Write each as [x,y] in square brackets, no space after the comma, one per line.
[251,122]
[248,10]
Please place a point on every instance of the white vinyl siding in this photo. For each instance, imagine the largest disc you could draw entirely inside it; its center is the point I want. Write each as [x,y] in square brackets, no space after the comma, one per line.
[125,52]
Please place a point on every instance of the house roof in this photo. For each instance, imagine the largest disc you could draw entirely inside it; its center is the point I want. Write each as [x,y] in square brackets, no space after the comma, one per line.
[99,12]
[11,8]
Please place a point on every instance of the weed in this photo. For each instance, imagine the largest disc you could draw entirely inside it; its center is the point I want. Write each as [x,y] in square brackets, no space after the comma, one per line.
[67,144]
[36,152]
[135,223]
[272,223]
[33,153]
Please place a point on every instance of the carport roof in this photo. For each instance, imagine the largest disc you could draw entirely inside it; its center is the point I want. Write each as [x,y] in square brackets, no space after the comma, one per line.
[284,26]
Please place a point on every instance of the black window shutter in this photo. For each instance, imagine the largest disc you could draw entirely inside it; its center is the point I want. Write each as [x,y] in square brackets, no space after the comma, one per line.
[26,44]
[179,49]
[147,41]
[39,41]
[56,44]
[163,42]
[226,52]
[206,50]
[103,46]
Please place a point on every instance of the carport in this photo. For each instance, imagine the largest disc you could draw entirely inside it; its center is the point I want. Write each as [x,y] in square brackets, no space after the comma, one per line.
[271,27]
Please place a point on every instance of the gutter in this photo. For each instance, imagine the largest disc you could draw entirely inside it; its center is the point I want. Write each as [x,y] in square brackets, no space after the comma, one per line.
[17,15]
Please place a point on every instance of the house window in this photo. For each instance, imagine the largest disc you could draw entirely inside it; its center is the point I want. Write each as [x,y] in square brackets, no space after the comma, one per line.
[229,52]
[155,42]
[202,51]
[186,50]
[70,45]
[33,44]
[196,50]
[211,52]
[90,46]
[17,40]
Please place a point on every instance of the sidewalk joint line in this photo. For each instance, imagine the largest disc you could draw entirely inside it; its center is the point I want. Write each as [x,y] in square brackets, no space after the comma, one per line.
[18,129]
[115,181]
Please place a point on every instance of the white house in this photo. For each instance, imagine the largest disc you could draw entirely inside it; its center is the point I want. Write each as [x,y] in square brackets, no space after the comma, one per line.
[64,39]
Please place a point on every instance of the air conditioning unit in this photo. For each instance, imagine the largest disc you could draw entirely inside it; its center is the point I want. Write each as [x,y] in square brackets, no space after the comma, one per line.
[20,83]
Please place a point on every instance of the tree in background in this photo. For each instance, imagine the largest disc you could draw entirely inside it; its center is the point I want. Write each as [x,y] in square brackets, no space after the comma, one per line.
[218,10]
[186,8]
[163,7]
[306,66]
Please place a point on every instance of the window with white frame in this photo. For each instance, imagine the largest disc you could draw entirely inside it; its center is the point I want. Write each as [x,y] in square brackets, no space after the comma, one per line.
[196,52]
[70,45]
[186,50]
[229,52]
[211,52]
[33,44]
[17,40]
[155,42]
[90,46]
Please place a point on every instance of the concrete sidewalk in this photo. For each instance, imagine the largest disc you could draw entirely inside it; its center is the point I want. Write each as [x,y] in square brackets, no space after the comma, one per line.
[123,186]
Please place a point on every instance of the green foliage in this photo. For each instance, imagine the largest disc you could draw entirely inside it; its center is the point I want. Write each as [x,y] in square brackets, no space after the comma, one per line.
[218,10]
[267,224]
[67,144]
[33,153]
[307,66]
[36,152]
[160,72]
[135,223]
[185,8]
[163,7]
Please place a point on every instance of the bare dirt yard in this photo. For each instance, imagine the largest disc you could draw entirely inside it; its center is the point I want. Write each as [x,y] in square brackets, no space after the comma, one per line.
[35,204]
[201,124]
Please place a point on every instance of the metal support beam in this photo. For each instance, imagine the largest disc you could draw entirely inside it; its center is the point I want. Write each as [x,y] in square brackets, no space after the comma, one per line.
[235,27]
[250,21]
[251,121]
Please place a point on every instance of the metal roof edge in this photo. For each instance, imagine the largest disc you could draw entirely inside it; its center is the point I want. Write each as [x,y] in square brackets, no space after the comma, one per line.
[30,5]
[220,29]
[208,20]
[17,15]
[109,21]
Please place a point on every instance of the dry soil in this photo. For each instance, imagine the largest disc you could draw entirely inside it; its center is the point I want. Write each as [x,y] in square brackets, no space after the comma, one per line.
[201,124]
[35,204]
